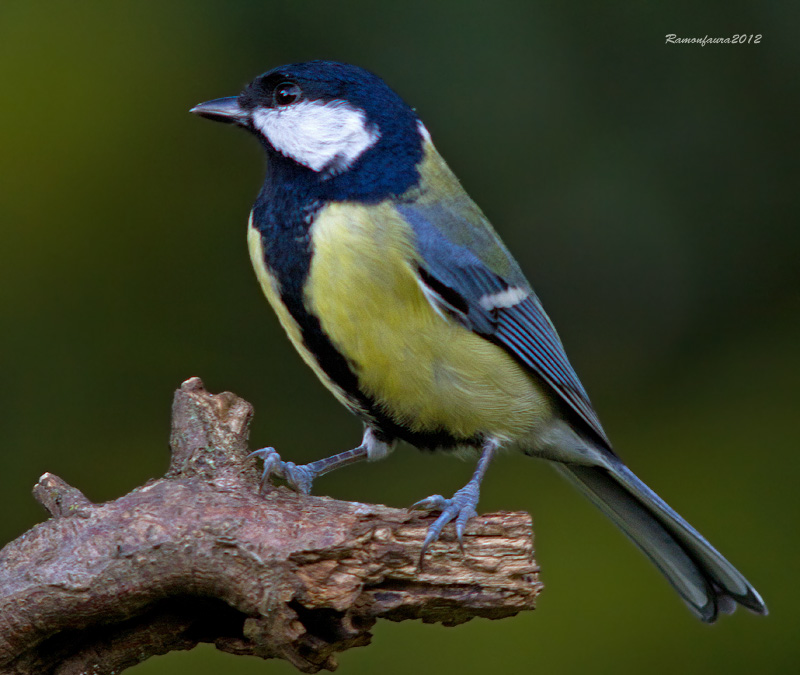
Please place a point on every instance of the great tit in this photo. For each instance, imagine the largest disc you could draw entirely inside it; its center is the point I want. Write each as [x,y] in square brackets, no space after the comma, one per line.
[397,292]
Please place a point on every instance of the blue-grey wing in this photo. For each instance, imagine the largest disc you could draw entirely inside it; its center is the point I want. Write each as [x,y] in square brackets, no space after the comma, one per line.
[501,307]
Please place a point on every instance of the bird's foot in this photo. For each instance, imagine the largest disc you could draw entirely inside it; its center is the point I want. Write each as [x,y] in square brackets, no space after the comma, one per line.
[299,477]
[461,507]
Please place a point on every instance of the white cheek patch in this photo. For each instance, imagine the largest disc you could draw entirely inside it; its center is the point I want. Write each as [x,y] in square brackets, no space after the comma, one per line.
[503,299]
[326,136]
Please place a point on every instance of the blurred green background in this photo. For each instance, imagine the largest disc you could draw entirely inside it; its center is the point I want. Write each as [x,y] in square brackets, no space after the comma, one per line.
[650,192]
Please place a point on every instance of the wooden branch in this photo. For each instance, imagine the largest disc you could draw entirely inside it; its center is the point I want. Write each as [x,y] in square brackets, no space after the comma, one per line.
[201,556]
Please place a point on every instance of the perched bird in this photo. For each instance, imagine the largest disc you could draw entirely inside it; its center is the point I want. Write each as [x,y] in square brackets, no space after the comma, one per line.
[397,292]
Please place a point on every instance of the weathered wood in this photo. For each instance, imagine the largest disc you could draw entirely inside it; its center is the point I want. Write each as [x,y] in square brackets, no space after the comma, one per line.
[201,556]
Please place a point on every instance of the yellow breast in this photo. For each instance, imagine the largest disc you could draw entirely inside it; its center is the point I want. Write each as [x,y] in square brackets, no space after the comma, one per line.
[427,372]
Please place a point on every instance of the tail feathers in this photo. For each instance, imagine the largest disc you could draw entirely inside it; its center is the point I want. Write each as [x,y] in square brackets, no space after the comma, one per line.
[705,580]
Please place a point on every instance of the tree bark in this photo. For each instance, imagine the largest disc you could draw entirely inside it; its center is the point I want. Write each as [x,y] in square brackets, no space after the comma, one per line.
[202,556]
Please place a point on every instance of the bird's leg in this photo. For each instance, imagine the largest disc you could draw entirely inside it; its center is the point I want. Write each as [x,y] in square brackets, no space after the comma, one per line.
[301,476]
[461,506]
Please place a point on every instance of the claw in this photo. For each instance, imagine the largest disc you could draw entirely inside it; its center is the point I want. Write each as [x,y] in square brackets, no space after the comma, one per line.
[432,503]
[271,459]
[461,524]
[262,453]
[299,478]
[460,508]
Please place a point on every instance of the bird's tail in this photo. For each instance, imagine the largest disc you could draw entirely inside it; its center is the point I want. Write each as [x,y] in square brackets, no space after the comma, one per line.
[705,580]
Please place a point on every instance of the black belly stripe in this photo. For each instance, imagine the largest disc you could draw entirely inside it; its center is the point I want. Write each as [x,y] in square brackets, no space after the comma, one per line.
[343,372]
[287,255]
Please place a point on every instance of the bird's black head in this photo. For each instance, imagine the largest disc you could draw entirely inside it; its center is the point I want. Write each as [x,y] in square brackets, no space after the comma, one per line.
[336,129]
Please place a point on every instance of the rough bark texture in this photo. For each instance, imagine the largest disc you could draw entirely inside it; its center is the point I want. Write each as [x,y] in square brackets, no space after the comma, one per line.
[201,556]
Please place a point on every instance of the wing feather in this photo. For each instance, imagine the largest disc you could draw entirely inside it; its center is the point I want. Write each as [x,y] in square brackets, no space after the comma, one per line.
[460,280]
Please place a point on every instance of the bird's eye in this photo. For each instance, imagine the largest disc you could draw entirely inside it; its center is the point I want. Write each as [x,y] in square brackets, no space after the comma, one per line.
[287,93]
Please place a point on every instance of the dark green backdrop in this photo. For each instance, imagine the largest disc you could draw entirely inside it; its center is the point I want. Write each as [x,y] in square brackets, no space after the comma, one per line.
[649,191]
